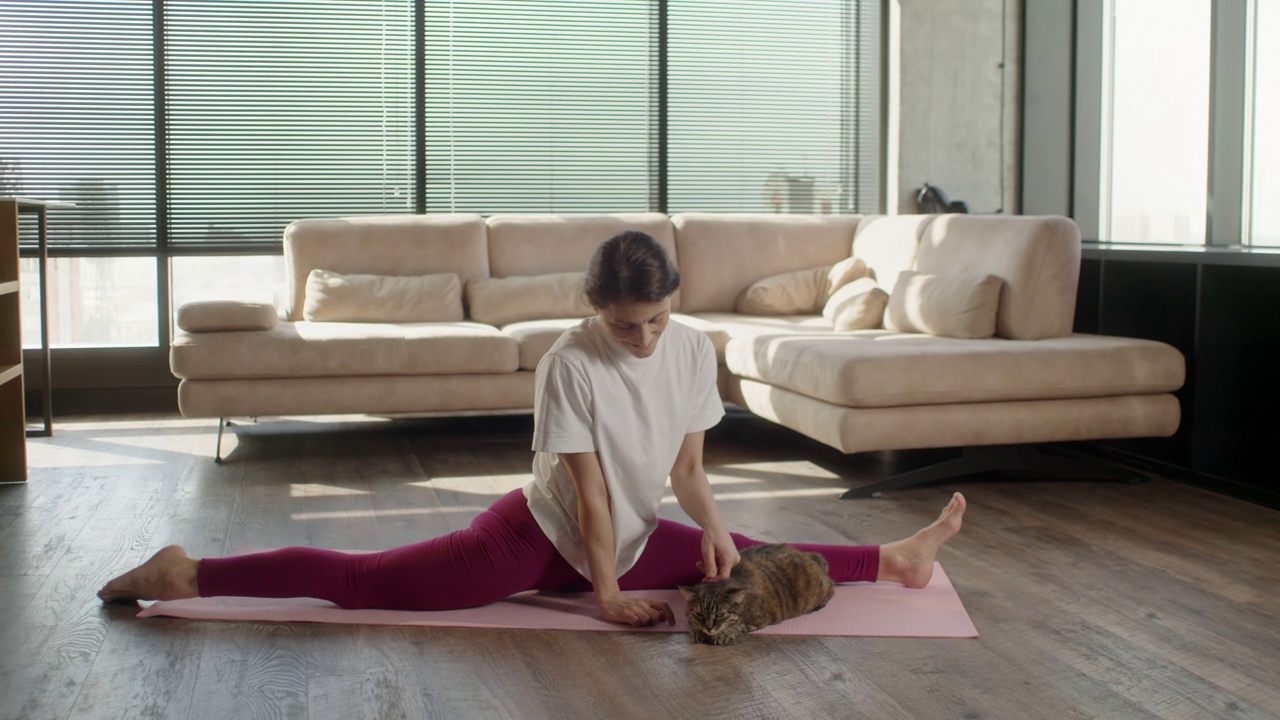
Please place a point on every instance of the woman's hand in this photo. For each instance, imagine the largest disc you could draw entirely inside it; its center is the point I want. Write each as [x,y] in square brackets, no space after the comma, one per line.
[636,612]
[719,555]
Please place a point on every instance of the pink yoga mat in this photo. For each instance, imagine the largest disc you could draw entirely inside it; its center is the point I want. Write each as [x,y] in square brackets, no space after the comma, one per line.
[858,609]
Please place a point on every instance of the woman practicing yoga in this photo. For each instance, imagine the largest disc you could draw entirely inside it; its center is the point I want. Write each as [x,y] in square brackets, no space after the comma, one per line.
[621,402]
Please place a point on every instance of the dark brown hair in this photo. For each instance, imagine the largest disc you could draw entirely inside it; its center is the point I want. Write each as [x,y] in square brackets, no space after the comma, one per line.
[630,267]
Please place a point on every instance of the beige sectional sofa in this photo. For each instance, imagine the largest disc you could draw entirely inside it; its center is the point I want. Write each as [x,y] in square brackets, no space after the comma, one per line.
[1030,380]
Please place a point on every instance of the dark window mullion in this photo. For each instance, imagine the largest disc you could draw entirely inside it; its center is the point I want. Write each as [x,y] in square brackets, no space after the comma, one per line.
[164,331]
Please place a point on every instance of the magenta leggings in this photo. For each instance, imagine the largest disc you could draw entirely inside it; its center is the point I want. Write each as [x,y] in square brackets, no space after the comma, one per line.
[502,553]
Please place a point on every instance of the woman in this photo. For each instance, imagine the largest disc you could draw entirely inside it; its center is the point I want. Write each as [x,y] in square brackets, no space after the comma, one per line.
[621,402]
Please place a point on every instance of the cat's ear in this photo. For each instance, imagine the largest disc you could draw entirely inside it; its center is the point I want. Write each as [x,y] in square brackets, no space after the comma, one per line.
[733,593]
[686,591]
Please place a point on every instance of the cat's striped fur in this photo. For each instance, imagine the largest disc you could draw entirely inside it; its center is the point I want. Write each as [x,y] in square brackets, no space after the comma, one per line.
[772,583]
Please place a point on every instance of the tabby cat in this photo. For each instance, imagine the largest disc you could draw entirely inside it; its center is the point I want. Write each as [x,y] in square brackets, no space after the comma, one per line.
[771,584]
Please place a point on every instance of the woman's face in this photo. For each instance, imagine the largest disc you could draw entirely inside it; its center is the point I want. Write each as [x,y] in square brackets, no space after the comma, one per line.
[636,325]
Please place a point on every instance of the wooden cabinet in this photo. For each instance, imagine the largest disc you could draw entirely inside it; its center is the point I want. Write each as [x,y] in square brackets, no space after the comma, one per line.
[1218,306]
[13,419]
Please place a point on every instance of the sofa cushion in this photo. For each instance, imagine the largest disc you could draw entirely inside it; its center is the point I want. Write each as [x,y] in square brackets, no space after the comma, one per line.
[859,305]
[382,245]
[1038,258]
[321,349]
[221,315]
[790,293]
[799,292]
[960,305]
[501,301]
[540,244]
[888,244]
[879,368]
[844,272]
[537,336]
[721,254]
[335,297]
[719,335]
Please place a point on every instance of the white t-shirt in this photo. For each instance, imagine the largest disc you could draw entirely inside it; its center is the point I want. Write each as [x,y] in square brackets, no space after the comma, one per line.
[591,394]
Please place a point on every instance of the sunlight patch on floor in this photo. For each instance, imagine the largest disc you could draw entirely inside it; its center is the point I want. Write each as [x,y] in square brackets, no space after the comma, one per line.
[476,483]
[40,455]
[383,513]
[766,494]
[299,490]
[795,471]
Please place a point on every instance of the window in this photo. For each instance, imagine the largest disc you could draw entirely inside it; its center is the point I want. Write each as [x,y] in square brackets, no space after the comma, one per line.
[283,110]
[766,106]
[182,127]
[1159,122]
[78,116]
[93,301]
[1265,220]
[539,106]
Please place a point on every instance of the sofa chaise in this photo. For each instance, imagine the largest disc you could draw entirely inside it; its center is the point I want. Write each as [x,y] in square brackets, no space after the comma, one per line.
[862,332]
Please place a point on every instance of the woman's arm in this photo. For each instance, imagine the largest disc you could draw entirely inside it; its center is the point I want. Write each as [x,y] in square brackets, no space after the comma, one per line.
[693,491]
[596,522]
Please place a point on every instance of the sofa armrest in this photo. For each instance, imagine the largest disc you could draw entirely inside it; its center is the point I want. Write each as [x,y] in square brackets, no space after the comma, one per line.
[224,315]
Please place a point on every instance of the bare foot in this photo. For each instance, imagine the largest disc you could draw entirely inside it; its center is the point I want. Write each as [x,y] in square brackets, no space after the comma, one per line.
[910,561]
[169,575]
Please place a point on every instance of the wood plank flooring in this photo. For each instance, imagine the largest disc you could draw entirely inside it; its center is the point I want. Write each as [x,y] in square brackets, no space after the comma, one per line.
[1093,599]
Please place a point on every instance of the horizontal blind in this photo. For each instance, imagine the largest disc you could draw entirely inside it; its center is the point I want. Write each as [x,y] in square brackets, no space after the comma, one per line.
[760,106]
[539,106]
[280,110]
[77,116]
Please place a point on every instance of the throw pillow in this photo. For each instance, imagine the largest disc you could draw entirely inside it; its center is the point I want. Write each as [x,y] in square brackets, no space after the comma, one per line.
[502,301]
[800,292]
[859,305]
[224,315]
[960,305]
[845,272]
[334,297]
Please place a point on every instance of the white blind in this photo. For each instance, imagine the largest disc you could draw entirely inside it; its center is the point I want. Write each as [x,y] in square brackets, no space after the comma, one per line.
[274,110]
[77,116]
[279,110]
[768,106]
[540,106]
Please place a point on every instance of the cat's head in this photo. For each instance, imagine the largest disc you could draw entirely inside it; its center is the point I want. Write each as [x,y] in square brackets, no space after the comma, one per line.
[715,611]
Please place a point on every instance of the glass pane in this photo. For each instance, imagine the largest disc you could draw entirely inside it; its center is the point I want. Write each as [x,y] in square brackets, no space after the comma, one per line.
[1266,127]
[766,100]
[93,302]
[259,278]
[284,110]
[78,117]
[539,106]
[1159,122]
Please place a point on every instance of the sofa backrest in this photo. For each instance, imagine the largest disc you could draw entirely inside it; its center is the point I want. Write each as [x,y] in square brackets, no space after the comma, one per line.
[888,244]
[1038,257]
[382,245]
[524,245]
[720,255]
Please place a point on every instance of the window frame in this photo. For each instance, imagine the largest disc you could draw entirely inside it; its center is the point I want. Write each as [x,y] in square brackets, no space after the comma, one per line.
[145,366]
[1230,107]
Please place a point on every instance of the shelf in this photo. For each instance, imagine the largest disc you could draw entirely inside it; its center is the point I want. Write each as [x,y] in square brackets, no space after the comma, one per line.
[10,372]
[8,288]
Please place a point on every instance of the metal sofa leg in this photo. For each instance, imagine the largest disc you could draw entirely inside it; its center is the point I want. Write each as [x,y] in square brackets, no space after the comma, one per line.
[217,451]
[1024,458]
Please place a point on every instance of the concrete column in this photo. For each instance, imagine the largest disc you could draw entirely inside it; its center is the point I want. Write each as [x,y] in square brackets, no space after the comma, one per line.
[958,113]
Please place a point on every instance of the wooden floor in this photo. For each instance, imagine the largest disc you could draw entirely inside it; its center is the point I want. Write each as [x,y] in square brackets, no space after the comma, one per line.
[1093,599]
